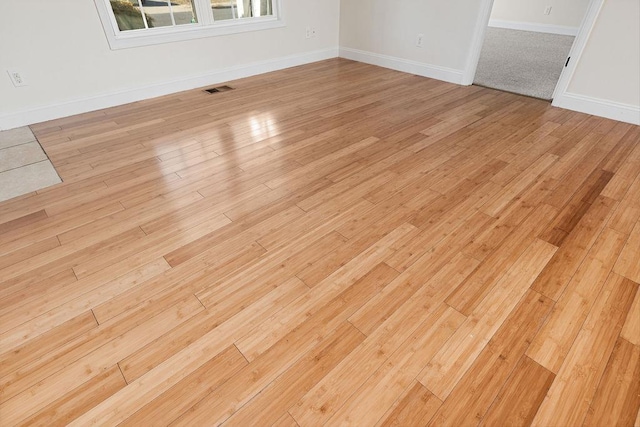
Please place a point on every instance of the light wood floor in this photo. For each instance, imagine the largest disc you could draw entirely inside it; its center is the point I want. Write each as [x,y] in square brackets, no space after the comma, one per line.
[330,244]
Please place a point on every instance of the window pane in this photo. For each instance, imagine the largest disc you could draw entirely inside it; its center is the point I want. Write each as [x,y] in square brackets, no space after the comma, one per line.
[262,7]
[184,12]
[159,13]
[235,9]
[224,9]
[127,15]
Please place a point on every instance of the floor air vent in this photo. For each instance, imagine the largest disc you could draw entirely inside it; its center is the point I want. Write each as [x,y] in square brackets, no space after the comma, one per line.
[224,88]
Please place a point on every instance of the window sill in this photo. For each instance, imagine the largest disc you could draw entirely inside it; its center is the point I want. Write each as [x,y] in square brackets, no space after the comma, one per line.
[134,38]
[124,41]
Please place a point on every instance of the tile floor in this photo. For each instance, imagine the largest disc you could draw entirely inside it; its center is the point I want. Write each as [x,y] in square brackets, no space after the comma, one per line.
[24,166]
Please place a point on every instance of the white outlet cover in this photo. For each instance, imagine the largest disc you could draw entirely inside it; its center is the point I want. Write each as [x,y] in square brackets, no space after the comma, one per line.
[17,78]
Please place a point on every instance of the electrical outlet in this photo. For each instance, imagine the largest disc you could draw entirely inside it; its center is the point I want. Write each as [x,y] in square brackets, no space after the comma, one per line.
[314,33]
[547,10]
[16,78]
[308,32]
[419,40]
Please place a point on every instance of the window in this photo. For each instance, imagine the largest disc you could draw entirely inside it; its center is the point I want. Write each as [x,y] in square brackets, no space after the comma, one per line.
[129,23]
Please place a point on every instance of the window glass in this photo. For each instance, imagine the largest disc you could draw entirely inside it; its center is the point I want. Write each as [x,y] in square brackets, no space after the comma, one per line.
[238,9]
[139,14]
[184,12]
[128,15]
[131,23]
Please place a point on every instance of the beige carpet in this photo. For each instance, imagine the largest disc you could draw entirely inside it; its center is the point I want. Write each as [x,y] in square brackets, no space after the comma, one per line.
[522,62]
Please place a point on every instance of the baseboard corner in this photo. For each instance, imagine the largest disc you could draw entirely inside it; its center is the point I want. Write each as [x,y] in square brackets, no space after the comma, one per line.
[449,75]
[97,102]
[535,27]
[599,107]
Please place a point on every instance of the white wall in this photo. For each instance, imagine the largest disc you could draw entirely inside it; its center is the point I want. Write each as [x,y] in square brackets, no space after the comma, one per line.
[63,53]
[61,50]
[609,68]
[387,31]
[564,13]
[607,77]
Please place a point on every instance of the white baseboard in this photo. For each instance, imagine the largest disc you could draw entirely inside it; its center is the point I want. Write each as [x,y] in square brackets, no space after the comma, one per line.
[538,28]
[78,106]
[599,107]
[419,68]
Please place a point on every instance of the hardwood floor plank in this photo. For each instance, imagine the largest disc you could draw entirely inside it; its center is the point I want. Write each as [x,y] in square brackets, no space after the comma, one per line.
[552,344]
[470,293]
[416,407]
[145,359]
[334,243]
[471,398]
[318,270]
[67,256]
[58,309]
[367,266]
[410,285]
[28,351]
[521,396]
[617,400]
[567,401]
[185,279]
[579,205]
[457,229]
[204,380]
[19,238]
[322,401]
[450,364]
[619,185]
[217,408]
[518,185]
[626,216]
[555,277]
[627,264]
[378,393]
[287,389]
[146,388]
[71,405]
[285,421]
[15,293]
[631,329]
[64,380]
[30,219]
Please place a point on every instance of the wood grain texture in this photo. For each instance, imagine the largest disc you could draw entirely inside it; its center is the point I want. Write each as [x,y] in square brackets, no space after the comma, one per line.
[631,329]
[334,243]
[551,345]
[521,396]
[627,265]
[617,399]
[477,389]
[569,397]
[416,407]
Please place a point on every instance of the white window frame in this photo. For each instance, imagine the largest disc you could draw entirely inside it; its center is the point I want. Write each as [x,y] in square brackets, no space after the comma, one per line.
[205,27]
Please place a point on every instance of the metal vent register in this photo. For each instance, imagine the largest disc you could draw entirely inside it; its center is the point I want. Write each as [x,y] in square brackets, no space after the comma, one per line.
[217,89]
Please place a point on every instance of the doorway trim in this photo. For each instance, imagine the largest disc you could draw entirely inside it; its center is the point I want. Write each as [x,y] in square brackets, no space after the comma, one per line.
[575,53]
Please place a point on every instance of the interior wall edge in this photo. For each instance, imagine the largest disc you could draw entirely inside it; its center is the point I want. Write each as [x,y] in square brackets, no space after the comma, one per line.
[85,105]
[399,64]
[538,28]
[599,107]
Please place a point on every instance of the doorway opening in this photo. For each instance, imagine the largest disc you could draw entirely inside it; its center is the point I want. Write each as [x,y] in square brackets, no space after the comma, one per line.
[523,62]
[529,47]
